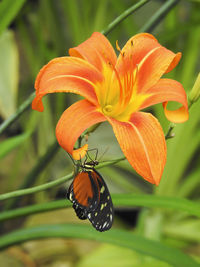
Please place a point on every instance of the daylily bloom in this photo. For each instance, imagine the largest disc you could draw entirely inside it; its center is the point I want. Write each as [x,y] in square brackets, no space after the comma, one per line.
[116,89]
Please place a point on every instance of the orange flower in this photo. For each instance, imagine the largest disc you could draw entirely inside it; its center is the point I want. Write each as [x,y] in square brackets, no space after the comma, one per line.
[116,89]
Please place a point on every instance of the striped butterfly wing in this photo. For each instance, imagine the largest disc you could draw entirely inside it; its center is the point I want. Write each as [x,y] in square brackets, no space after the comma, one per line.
[80,212]
[102,217]
[83,193]
[91,199]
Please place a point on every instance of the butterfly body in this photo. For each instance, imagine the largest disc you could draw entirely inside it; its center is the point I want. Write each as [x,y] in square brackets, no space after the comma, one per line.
[91,198]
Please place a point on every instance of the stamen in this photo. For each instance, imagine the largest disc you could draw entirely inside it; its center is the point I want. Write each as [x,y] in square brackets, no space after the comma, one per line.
[131,83]
[129,74]
[134,75]
[119,82]
[118,47]
[125,74]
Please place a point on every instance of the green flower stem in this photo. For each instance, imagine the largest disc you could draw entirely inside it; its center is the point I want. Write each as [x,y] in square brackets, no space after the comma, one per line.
[110,162]
[46,186]
[169,133]
[123,16]
[92,128]
[119,200]
[159,16]
[24,106]
[36,189]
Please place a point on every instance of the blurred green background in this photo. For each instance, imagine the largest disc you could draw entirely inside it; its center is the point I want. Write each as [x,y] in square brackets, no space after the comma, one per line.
[31,34]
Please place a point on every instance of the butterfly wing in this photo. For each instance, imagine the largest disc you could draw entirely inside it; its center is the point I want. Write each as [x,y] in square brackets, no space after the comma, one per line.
[83,192]
[102,217]
[91,199]
[80,212]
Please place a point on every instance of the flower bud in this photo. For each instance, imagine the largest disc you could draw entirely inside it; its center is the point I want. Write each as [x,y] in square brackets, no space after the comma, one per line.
[195,92]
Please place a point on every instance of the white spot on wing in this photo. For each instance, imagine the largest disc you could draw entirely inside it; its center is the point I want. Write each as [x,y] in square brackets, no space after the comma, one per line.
[104,225]
[102,206]
[102,189]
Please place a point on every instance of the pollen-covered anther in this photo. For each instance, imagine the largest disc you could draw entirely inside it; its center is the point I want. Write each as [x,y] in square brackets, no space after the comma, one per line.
[117,46]
[119,49]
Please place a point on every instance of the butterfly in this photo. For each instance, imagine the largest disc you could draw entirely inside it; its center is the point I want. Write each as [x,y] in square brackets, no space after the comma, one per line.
[90,197]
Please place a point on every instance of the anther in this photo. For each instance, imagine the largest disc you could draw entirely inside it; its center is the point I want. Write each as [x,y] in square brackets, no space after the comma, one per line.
[117,46]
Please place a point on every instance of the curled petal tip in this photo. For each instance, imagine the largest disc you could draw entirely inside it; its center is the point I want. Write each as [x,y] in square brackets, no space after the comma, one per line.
[79,153]
[174,62]
[37,104]
[177,116]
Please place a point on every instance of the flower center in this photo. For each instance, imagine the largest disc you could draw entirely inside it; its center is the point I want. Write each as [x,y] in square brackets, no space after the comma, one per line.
[107,109]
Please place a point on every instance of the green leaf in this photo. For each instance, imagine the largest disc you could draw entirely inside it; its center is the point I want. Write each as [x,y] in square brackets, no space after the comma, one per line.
[8,11]
[114,256]
[151,201]
[190,184]
[127,200]
[188,229]
[117,237]
[11,143]
[9,67]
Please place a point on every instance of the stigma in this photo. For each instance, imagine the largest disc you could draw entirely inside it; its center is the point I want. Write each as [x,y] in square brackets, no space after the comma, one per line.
[107,109]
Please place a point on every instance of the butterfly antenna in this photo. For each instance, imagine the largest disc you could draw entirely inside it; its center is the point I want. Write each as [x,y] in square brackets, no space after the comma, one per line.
[103,153]
[93,149]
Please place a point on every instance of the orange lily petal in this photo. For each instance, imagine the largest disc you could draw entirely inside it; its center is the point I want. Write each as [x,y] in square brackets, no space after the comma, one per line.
[143,142]
[174,62]
[143,51]
[66,74]
[74,120]
[168,90]
[94,50]
[177,116]
[79,153]
[136,48]
[153,66]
